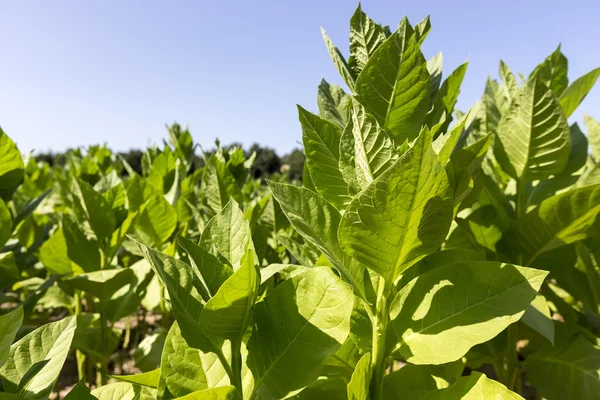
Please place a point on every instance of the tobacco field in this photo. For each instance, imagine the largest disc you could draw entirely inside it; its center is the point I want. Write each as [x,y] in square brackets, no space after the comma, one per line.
[426,253]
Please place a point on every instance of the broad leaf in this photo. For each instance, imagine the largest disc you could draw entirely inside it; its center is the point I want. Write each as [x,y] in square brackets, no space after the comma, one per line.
[333,103]
[157,221]
[48,344]
[593,131]
[9,326]
[401,384]
[298,325]
[576,92]
[123,391]
[227,234]
[181,370]
[562,219]
[358,387]
[537,317]
[149,379]
[553,72]
[94,207]
[321,140]
[229,312]
[12,168]
[394,85]
[465,304]
[365,37]
[80,392]
[217,393]
[534,137]
[402,216]
[339,61]
[474,387]
[318,222]
[5,223]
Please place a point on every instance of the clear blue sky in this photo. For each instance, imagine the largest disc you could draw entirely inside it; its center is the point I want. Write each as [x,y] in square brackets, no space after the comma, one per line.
[84,72]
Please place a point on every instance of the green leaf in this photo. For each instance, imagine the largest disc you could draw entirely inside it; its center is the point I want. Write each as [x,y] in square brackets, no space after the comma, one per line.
[321,140]
[579,151]
[446,98]
[510,82]
[339,61]
[128,298]
[318,222]
[101,284]
[553,72]
[358,387]
[474,387]
[402,216]
[576,92]
[221,184]
[121,391]
[157,221]
[559,220]
[365,37]
[593,128]
[445,144]
[465,304]
[149,379]
[422,29]
[373,149]
[410,378]
[181,370]
[94,207]
[299,324]
[534,137]
[148,352]
[178,279]
[81,249]
[30,208]
[537,317]
[434,67]
[217,393]
[394,85]
[49,343]
[333,103]
[210,271]
[571,371]
[5,223]
[12,168]
[229,312]
[79,392]
[9,326]
[227,234]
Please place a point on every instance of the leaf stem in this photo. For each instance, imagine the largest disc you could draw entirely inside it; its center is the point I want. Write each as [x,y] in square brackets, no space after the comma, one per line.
[378,355]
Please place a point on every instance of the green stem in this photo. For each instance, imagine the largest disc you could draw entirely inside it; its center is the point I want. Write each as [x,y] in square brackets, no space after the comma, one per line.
[512,359]
[592,271]
[378,354]
[236,364]
[78,354]
[102,365]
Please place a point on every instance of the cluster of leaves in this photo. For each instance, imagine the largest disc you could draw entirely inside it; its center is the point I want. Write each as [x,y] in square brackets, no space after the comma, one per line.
[425,245]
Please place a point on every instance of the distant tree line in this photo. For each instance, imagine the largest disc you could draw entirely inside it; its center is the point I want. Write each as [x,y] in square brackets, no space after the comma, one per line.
[266,163]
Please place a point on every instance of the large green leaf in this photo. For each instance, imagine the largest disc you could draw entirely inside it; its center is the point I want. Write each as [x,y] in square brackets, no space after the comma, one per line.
[123,391]
[157,221]
[229,312]
[79,392]
[339,61]
[553,72]
[446,98]
[228,234]
[179,280]
[12,168]
[102,284]
[94,208]
[365,37]
[181,370]
[559,220]
[464,304]
[220,183]
[321,140]
[149,379]
[576,92]
[537,317]
[535,140]
[299,324]
[373,150]
[210,271]
[567,372]
[474,387]
[434,67]
[9,326]
[318,222]
[402,216]
[48,345]
[333,103]
[394,85]
[358,387]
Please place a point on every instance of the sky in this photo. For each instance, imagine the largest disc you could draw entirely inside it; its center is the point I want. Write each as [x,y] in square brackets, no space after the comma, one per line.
[75,73]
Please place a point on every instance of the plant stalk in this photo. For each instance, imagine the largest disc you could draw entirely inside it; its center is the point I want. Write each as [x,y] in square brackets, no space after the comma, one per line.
[378,354]
[78,354]
[236,364]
